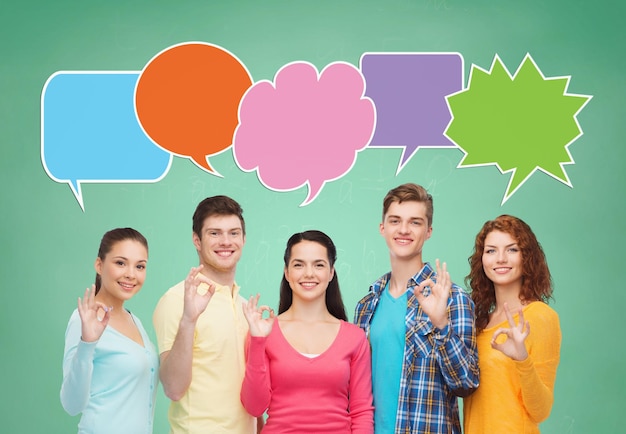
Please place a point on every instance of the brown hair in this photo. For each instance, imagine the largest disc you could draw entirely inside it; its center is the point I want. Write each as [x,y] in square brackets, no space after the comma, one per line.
[409,192]
[536,279]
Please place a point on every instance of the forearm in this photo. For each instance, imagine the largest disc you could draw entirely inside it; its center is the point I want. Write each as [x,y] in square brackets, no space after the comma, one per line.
[77,374]
[360,393]
[176,364]
[458,362]
[457,353]
[256,387]
[537,396]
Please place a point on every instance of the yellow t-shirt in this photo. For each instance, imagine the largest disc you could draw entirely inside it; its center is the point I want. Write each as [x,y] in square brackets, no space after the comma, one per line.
[514,397]
[212,403]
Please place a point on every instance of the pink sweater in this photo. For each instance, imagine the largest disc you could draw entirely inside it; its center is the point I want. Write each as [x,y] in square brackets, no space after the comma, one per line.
[330,393]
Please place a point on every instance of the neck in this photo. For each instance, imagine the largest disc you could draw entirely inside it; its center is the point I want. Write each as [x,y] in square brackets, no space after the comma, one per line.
[401,272]
[224,278]
[307,311]
[507,294]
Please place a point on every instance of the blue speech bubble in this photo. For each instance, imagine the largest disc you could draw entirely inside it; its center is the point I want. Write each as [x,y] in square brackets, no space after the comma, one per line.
[90,132]
[409,90]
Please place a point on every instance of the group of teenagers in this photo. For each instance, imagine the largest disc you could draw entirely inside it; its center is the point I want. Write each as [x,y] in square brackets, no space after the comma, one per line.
[230,365]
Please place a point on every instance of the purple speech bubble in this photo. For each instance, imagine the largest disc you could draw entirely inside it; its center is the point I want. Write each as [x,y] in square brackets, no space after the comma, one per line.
[304,128]
[409,90]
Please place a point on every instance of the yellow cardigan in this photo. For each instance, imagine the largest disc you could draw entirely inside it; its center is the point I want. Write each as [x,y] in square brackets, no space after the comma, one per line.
[514,397]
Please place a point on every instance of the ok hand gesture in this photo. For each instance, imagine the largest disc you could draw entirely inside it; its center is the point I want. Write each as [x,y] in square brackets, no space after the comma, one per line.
[92,327]
[259,326]
[195,303]
[435,305]
[516,334]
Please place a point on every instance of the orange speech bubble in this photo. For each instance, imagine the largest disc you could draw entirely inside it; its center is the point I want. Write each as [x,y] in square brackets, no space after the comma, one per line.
[187,98]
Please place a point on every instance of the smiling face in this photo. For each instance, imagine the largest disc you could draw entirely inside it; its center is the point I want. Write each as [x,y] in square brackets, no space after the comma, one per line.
[123,270]
[309,271]
[502,260]
[220,243]
[405,229]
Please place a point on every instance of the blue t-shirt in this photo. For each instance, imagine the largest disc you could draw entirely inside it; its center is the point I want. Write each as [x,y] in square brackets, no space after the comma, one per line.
[387,333]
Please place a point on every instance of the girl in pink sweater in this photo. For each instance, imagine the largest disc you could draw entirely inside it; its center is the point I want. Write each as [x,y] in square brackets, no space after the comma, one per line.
[308,367]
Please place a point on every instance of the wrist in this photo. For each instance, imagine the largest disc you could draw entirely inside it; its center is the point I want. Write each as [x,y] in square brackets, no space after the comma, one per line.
[440,323]
[521,357]
[186,322]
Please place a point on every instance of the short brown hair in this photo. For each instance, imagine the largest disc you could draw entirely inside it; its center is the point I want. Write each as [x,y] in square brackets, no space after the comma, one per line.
[409,192]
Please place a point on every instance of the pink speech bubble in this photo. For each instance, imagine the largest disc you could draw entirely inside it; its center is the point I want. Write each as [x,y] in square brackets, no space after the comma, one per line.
[304,128]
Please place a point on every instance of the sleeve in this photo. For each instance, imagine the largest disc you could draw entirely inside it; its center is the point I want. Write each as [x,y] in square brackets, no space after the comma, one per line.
[457,353]
[360,393]
[256,388]
[538,372]
[166,319]
[77,368]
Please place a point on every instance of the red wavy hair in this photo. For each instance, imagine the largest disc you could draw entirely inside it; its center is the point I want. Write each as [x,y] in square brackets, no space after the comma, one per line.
[536,279]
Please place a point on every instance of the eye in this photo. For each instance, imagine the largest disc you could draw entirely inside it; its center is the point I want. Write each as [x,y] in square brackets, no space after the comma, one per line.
[490,251]
[214,234]
[120,263]
[141,267]
[235,234]
[393,221]
[416,223]
[513,250]
[320,265]
[297,265]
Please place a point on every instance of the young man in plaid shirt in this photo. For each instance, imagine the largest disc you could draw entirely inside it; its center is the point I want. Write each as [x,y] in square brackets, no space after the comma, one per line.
[420,326]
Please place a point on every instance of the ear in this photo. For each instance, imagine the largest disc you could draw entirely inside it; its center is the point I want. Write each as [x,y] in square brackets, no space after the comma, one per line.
[98,265]
[196,241]
[332,273]
[429,233]
[286,274]
[381,228]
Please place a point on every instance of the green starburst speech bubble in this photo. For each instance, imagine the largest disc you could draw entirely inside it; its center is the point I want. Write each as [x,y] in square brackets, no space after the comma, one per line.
[520,123]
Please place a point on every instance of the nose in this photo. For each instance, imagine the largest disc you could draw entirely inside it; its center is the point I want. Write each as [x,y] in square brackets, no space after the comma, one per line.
[224,238]
[308,270]
[404,227]
[130,272]
[501,256]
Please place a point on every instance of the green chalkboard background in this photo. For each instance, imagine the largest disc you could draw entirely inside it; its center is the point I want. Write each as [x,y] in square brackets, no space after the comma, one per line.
[48,244]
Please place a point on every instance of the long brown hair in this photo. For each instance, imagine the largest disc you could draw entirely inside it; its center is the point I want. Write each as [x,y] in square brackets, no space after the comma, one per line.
[334,302]
[536,279]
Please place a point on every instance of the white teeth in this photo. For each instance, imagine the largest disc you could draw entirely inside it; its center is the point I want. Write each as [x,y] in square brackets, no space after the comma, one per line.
[224,254]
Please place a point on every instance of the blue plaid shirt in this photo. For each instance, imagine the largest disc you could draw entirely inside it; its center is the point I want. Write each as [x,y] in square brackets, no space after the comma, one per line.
[439,365]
